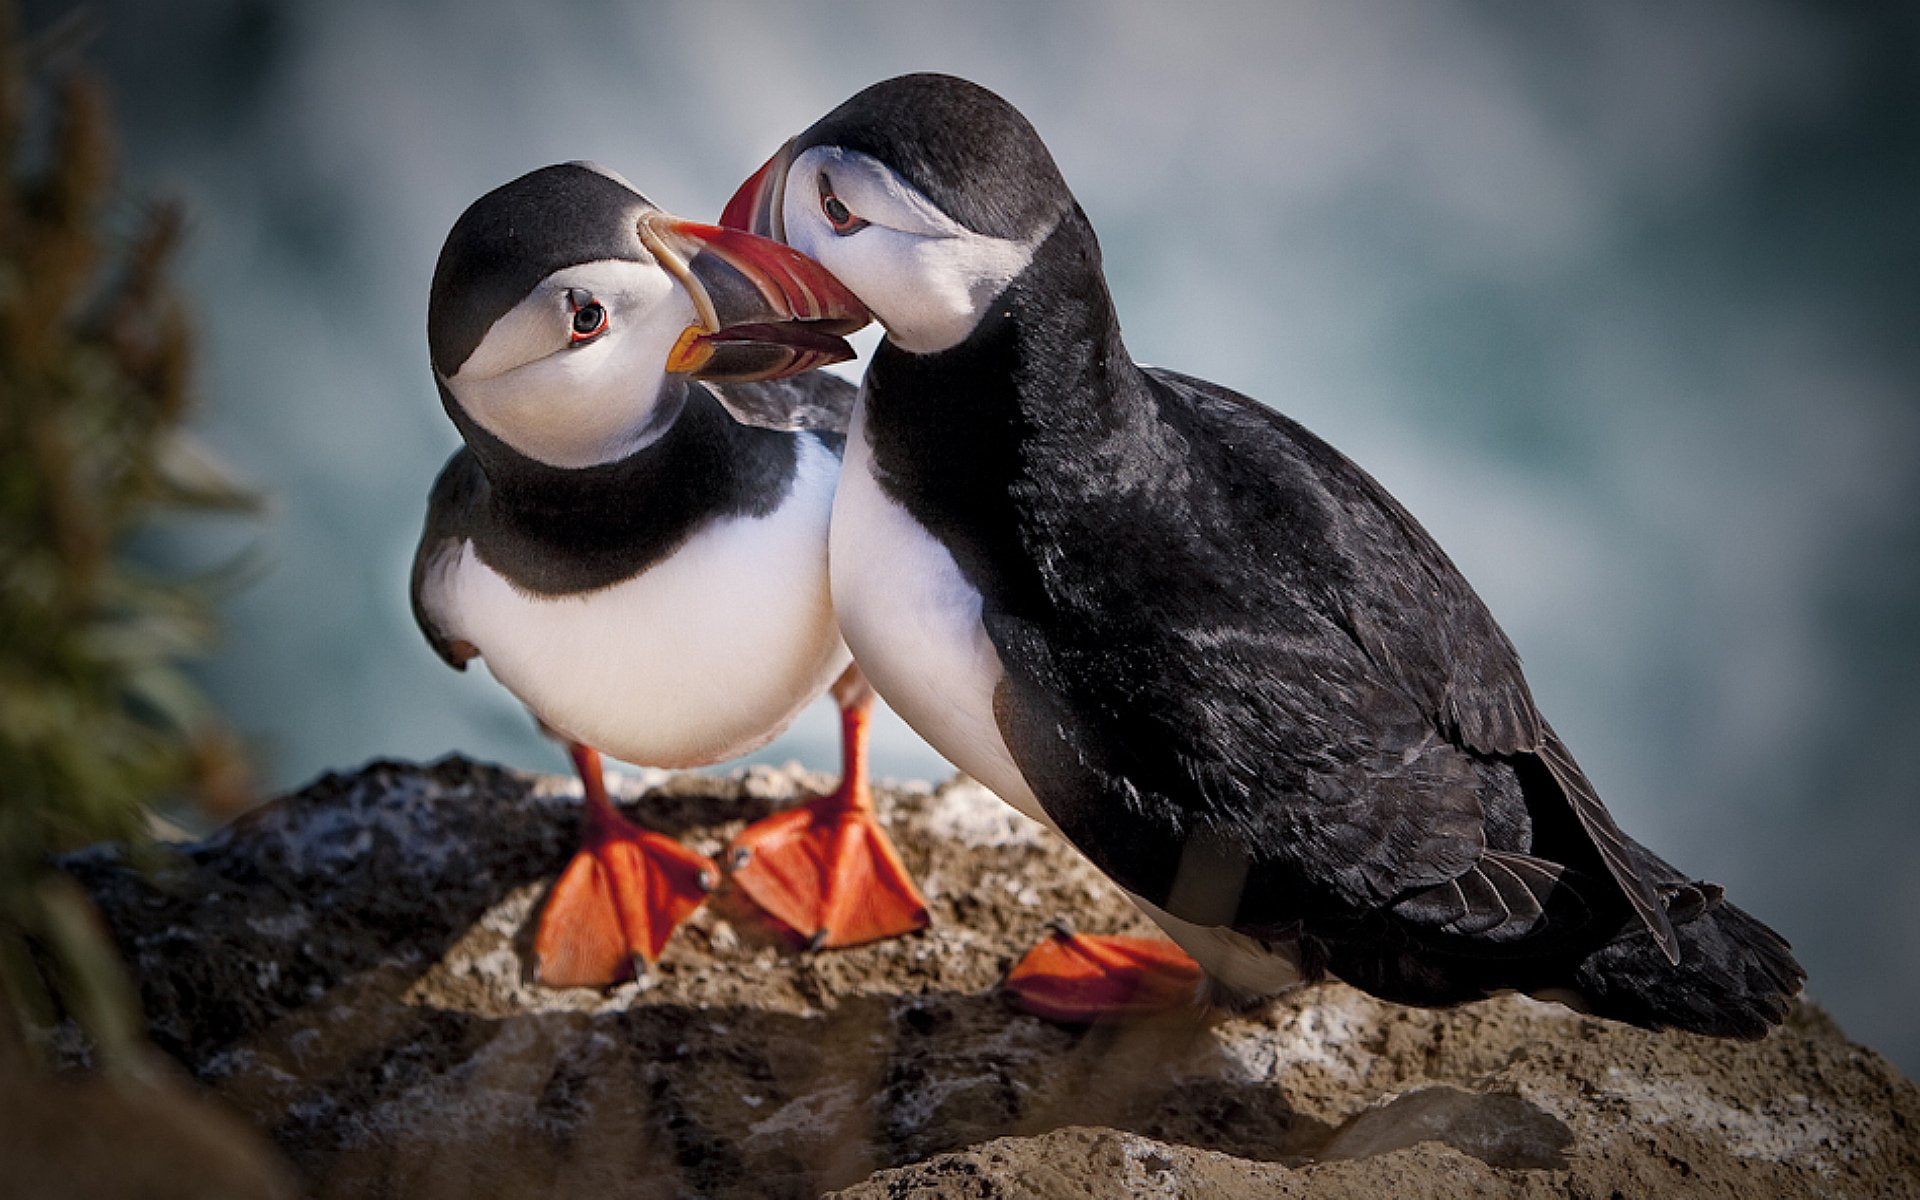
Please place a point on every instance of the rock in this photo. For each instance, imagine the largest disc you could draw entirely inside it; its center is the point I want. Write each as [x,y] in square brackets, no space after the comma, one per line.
[1499,1128]
[346,968]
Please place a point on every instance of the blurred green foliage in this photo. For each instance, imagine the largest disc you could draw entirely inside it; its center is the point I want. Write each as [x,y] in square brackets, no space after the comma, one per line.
[97,720]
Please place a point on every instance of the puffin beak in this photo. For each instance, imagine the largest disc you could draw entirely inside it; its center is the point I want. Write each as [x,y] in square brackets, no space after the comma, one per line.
[756,206]
[765,311]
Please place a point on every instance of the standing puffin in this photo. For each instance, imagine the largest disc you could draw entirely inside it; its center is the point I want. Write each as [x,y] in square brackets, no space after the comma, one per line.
[1193,638]
[643,570]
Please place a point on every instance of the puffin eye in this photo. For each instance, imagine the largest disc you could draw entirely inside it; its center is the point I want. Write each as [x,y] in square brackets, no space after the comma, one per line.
[837,213]
[589,318]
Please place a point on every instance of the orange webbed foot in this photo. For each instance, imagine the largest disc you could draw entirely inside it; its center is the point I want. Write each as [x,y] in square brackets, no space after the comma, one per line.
[1077,979]
[620,898]
[827,870]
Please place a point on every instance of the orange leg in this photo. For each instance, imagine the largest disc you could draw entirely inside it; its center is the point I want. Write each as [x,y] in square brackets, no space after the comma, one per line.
[621,897]
[1076,979]
[825,868]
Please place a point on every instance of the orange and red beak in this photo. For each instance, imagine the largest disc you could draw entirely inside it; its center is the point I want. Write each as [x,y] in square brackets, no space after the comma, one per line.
[765,310]
[755,208]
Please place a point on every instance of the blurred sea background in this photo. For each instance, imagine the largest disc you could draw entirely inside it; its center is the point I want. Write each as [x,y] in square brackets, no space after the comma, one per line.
[1621,299]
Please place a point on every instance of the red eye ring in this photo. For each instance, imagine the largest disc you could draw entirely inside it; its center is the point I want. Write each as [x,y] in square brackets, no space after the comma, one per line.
[838,215]
[589,321]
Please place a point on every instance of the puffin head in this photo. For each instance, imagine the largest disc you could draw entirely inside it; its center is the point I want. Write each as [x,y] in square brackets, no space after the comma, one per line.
[925,194]
[564,301]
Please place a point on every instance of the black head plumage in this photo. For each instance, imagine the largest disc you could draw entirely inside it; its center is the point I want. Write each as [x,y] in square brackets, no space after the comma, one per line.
[962,146]
[516,235]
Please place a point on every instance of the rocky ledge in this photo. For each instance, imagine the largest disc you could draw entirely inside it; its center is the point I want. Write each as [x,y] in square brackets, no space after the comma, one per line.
[345,969]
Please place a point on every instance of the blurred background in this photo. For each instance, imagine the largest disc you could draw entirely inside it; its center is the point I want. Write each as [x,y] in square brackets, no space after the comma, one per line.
[1619,298]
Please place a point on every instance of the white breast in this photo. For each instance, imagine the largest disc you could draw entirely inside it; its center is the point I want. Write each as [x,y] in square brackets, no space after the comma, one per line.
[913,622]
[702,657]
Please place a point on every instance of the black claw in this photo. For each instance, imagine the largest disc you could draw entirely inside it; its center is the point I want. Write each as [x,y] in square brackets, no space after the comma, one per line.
[707,881]
[740,857]
[818,939]
[639,967]
[1060,927]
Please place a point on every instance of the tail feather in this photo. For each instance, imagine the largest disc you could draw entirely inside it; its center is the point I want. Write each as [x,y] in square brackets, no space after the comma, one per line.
[1736,978]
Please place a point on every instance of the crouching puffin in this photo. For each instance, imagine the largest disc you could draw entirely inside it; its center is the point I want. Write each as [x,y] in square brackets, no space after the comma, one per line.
[1193,638]
[644,571]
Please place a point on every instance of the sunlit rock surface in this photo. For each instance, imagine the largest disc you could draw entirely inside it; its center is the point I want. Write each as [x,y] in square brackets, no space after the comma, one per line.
[347,969]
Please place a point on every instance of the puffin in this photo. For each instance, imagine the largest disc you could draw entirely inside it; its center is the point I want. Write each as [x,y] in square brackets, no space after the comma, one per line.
[1194,639]
[633,540]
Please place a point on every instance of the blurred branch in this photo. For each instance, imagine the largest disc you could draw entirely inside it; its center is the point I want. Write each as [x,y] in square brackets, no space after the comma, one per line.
[97,718]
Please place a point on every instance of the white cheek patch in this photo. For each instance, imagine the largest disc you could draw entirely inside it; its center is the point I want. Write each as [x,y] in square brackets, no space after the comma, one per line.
[523,335]
[926,277]
[575,406]
[930,293]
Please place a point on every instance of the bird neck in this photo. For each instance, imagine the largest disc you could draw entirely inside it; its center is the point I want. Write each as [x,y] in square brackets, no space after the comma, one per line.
[1046,358]
[702,462]
[1060,335]
[1020,415]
